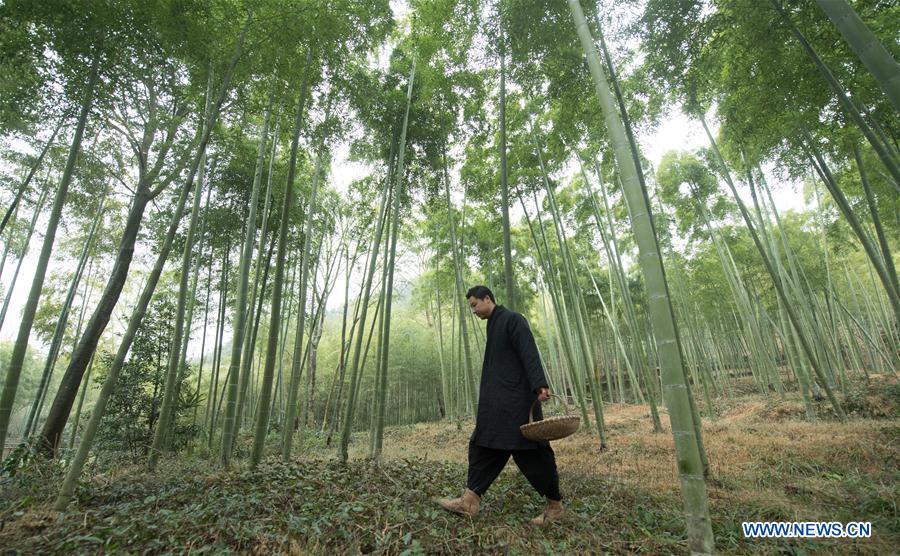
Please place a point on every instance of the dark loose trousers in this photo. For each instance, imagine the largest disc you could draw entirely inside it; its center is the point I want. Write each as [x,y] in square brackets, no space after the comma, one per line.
[538,466]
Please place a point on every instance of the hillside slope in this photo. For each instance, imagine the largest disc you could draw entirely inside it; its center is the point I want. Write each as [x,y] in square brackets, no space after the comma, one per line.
[766,464]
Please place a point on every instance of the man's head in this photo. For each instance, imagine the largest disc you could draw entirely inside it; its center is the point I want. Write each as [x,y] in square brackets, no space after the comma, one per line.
[481,301]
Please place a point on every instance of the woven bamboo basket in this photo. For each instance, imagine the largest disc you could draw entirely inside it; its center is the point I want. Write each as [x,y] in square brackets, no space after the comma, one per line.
[551,428]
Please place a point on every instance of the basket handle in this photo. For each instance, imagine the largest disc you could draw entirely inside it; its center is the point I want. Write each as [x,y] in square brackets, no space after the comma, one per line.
[531,410]
[537,400]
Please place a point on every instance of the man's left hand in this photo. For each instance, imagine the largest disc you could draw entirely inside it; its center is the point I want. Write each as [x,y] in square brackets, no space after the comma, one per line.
[543,394]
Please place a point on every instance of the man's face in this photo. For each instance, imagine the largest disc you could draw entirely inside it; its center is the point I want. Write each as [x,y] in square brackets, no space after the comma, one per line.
[482,308]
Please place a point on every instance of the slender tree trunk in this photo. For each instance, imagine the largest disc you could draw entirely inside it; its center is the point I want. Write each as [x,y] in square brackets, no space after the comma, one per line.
[439,317]
[287,309]
[635,156]
[255,311]
[389,287]
[82,394]
[876,219]
[203,339]
[262,413]
[195,273]
[60,329]
[211,403]
[618,341]
[173,384]
[385,268]
[504,185]
[240,303]
[34,168]
[85,298]
[215,347]
[308,415]
[250,348]
[687,443]
[307,405]
[388,295]
[7,244]
[649,378]
[355,372]
[12,284]
[288,430]
[461,301]
[14,370]
[345,344]
[870,51]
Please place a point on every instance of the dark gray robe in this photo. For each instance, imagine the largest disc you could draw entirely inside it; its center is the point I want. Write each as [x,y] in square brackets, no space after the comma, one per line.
[510,376]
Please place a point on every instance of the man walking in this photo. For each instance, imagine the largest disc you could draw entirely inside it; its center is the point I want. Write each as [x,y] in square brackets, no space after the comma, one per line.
[512,377]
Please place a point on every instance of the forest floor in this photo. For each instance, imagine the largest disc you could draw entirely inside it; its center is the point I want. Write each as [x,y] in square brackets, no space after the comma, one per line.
[767,464]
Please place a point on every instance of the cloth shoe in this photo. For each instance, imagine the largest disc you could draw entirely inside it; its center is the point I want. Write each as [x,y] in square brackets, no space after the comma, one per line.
[553,511]
[467,504]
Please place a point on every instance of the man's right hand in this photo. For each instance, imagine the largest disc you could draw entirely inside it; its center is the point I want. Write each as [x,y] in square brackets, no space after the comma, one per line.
[543,394]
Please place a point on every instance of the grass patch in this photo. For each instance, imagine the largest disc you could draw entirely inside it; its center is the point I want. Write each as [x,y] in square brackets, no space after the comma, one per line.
[766,464]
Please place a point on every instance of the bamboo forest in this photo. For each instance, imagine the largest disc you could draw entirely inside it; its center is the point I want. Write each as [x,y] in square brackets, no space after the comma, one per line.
[240,240]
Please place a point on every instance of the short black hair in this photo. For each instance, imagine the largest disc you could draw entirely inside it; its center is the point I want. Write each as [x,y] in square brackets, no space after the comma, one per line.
[480,292]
